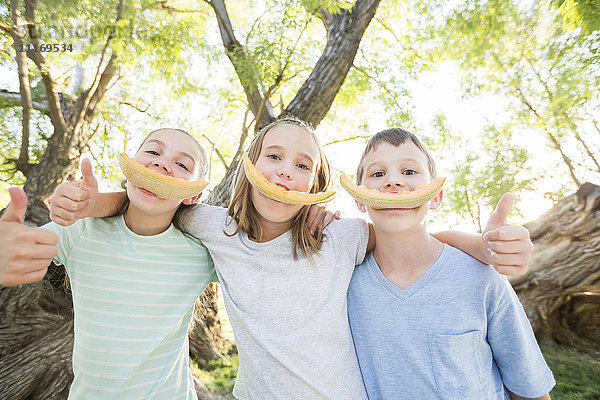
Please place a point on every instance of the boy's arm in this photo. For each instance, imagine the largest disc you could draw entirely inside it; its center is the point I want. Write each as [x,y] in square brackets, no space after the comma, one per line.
[507,247]
[517,397]
[75,200]
[513,344]
[25,252]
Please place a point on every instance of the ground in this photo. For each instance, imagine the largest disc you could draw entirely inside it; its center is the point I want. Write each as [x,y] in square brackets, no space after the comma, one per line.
[577,373]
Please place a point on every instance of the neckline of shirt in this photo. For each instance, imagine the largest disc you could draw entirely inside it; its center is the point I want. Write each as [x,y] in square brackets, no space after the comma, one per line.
[141,238]
[404,294]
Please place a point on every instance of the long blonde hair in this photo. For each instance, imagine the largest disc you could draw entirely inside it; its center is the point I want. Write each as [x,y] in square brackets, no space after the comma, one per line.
[243,212]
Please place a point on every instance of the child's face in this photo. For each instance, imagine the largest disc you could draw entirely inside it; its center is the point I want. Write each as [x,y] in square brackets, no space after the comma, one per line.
[171,153]
[288,158]
[391,169]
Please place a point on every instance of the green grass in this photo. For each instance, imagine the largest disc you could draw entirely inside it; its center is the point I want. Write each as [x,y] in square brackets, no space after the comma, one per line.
[577,373]
[219,376]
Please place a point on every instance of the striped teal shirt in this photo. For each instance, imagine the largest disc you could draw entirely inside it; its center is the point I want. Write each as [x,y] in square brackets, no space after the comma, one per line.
[133,298]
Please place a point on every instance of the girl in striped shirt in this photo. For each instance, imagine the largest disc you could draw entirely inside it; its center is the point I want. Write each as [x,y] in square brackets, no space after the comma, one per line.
[134,279]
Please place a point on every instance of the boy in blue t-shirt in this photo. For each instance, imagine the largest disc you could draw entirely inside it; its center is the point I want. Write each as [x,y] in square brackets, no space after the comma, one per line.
[429,321]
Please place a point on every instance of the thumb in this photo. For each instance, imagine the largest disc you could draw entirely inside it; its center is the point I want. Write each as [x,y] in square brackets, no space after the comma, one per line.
[15,212]
[498,217]
[89,180]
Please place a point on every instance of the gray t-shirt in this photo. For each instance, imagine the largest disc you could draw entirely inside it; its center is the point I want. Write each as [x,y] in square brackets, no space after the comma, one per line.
[289,317]
[459,332]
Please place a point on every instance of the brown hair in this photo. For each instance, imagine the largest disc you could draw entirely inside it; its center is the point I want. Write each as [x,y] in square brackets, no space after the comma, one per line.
[395,137]
[243,212]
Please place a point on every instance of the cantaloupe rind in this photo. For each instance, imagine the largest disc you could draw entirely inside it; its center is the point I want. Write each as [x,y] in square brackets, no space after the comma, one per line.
[279,193]
[378,200]
[163,186]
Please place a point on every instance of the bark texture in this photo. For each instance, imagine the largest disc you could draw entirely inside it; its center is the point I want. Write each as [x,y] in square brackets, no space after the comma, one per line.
[561,290]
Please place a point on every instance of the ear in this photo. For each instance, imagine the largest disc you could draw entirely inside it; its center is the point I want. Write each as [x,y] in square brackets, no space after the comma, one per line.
[361,207]
[193,200]
[436,201]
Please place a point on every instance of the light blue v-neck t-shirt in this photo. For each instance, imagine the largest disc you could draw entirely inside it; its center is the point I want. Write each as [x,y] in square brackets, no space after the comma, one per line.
[133,299]
[459,332]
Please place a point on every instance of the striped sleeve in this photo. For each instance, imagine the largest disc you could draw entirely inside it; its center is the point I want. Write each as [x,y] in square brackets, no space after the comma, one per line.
[68,237]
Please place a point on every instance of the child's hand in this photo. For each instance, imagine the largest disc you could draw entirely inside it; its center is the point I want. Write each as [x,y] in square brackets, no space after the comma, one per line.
[74,200]
[25,251]
[508,247]
[318,218]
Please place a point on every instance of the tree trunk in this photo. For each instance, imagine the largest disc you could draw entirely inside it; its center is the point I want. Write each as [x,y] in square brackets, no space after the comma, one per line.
[36,326]
[206,336]
[561,290]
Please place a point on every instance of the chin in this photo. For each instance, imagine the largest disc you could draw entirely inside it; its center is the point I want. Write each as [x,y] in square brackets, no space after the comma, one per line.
[279,213]
[273,210]
[149,204]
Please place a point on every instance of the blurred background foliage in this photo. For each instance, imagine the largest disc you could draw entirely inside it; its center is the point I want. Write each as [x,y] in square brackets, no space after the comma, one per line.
[528,71]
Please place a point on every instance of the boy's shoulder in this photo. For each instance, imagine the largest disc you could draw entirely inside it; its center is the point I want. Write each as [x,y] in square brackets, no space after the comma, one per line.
[469,269]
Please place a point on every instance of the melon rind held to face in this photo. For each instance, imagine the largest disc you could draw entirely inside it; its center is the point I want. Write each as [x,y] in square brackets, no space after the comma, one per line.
[163,186]
[375,199]
[279,193]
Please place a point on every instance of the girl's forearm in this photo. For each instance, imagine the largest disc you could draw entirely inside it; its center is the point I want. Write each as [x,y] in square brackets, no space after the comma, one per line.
[109,204]
[469,243]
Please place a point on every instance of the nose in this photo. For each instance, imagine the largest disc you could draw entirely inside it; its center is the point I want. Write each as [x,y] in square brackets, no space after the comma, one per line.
[285,172]
[394,183]
[161,166]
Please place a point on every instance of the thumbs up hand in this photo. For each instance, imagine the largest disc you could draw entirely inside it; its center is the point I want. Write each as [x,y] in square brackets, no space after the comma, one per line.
[25,252]
[508,247]
[74,200]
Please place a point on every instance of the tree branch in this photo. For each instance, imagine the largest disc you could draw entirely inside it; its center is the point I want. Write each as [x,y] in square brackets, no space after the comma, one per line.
[24,89]
[13,99]
[237,55]
[572,125]
[344,33]
[164,5]
[348,139]
[214,147]
[96,90]
[54,108]
[5,27]
[553,140]
[126,103]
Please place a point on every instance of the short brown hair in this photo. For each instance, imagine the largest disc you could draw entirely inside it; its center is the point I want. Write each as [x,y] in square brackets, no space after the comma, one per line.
[395,137]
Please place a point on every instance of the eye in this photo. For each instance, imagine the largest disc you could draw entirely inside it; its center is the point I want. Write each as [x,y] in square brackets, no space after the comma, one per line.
[182,165]
[409,172]
[303,166]
[273,156]
[377,174]
[152,152]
